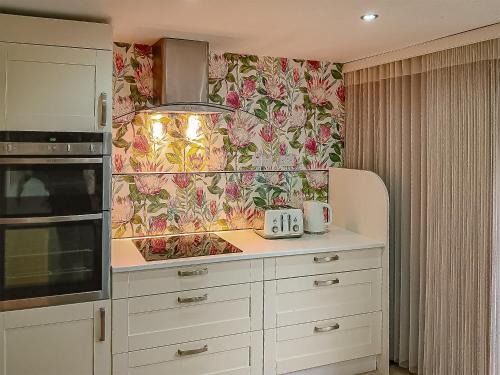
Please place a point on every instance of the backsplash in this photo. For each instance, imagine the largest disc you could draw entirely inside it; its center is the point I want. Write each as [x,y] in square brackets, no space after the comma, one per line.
[169,180]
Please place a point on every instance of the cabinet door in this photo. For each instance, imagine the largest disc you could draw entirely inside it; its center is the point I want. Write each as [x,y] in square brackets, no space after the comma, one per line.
[55,88]
[56,340]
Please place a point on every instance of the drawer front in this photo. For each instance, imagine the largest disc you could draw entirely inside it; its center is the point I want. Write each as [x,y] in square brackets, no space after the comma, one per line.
[236,355]
[324,342]
[311,298]
[164,319]
[319,263]
[167,280]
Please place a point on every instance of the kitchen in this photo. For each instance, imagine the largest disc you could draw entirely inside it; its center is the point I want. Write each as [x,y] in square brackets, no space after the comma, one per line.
[167,206]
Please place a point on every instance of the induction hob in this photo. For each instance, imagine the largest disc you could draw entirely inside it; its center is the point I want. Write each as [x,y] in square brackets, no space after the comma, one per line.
[183,246]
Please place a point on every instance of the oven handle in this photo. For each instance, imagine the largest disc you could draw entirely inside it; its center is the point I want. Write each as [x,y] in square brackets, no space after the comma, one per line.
[48,219]
[50,160]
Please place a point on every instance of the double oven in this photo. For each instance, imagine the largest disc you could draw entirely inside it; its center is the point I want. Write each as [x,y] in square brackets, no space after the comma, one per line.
[55,193]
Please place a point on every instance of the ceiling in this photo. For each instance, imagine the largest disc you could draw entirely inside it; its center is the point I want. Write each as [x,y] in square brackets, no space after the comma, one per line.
[314,29]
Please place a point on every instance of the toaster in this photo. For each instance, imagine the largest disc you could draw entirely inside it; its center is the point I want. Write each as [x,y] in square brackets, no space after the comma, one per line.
[280,222]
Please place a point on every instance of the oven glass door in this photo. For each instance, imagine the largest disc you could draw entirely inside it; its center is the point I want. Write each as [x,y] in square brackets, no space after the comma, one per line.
[51,256]
[51,186]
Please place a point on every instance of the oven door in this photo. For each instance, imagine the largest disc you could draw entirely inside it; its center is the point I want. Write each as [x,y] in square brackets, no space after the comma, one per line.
[31,187]
[53,260]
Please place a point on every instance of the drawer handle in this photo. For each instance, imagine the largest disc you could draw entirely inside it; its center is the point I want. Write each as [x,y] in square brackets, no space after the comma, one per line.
[192,299]
[326,259]
[198,272]
[326,282]
[326,329]
[192,351]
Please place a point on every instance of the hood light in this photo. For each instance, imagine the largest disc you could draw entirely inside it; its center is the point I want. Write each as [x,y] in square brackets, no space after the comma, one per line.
[369,17]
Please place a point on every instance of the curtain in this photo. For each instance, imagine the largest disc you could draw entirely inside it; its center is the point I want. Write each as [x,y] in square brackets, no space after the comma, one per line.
[429,127]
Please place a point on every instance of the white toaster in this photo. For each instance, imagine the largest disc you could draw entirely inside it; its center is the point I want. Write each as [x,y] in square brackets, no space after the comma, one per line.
[281,222]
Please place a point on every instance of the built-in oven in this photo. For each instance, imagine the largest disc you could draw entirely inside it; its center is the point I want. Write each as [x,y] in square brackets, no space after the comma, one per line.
[54,218]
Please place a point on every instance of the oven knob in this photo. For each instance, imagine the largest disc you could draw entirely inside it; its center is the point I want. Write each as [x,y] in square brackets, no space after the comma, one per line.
[296,228]
[275,229]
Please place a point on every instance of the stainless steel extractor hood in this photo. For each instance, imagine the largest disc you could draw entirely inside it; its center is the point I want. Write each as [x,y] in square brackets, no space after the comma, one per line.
[180,77]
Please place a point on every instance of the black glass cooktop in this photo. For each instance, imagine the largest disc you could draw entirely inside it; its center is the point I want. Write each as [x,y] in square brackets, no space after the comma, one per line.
[185,246]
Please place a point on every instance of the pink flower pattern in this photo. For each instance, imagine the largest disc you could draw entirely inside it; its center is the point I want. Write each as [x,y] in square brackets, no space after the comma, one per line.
[300,105]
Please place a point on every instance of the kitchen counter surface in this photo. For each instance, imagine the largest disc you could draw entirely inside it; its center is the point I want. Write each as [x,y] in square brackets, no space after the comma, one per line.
[125,256]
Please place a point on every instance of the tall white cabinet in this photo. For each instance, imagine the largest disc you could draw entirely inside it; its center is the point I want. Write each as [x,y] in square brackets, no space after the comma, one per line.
[52,83]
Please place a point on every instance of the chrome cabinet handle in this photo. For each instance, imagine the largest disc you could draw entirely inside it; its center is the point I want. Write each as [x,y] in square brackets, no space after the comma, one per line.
[192,351]
[102,317]
[104,109]
[197,272]
[326,259]
[326,329]
[192,299]
[326,282]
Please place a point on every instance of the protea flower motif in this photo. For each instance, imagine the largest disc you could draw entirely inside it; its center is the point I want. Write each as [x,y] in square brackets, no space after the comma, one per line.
[311,146]
[275,179]
[233,100]
[325,133]
[296,76]
[233,191]
[182,180]
[283,148]
[298,117]
[319,90]
[123,109]
[240,129]
[188,223]
[213,208]
[157,225]
[141,144]
[142,50]
[117,163]
[217,160]
[123,210]
[248,88]
[283,64]
[267,133]
[341,93]
[313,64]
[239,218]
[279,201]
[247,179]
[317,179]
[200,196]
[218,67]
[280,118]
[150,183]
[274,88]
[118,64]
[297,199]
[196,161]
[144,79]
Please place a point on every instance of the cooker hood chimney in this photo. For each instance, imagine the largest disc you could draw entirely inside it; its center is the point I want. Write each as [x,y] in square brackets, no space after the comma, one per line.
[180,76]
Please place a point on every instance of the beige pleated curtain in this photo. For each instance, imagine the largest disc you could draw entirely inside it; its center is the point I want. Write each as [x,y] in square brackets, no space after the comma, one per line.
[429,127]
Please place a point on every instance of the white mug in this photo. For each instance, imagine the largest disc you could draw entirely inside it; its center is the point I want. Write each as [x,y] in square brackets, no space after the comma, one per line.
[314,219]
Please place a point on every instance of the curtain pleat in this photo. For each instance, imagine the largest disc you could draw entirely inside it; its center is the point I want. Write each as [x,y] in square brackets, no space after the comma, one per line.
[429,127]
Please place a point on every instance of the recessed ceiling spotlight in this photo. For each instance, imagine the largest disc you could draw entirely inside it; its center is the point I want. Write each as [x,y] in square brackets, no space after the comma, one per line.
[369,17]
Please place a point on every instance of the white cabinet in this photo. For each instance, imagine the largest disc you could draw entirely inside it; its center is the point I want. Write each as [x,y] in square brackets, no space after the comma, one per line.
[68,339]
[47,88]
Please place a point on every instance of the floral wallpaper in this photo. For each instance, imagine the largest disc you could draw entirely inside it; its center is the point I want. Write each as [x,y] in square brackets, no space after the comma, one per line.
[171,177]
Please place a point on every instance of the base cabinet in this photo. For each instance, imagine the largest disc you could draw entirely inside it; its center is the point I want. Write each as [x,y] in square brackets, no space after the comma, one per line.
[68,339]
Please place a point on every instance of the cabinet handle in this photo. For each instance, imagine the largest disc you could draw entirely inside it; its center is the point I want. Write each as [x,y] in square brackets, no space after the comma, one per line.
[102,317]
[326,329]
[192,299]
[104,109]
[326,259]
[192,351]
[197,272]
[326,282]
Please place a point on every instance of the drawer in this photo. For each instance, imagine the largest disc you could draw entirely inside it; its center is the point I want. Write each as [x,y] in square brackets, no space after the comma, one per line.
[164,319]
[236,355]
[165,280]
[324,342]
[316,264]
[305,299]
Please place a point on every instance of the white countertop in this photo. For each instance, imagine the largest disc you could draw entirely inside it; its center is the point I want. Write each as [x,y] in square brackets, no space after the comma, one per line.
[125,256]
